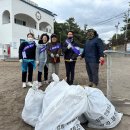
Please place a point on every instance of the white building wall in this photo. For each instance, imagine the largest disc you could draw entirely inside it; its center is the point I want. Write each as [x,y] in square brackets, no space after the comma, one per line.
[5,29]
[11,33]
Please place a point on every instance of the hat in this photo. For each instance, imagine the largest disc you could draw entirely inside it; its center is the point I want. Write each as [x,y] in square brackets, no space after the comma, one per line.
[53,35]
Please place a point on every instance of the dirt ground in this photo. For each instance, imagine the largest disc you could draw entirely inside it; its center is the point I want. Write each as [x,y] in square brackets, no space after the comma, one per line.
[12,94]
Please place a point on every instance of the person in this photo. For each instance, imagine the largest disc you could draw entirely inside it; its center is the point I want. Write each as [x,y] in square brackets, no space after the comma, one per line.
[70,51]
[41,56]
[27,58]
[46,73]
[93,54]
[54,51]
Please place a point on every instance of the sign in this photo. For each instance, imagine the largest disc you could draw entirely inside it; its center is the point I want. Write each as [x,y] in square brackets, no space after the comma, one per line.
[128,47]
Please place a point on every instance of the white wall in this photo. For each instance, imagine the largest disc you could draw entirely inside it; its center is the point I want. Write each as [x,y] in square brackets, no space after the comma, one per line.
[11,33]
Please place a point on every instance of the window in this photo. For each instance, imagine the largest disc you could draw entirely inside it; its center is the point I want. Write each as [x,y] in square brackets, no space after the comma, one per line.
[20,22]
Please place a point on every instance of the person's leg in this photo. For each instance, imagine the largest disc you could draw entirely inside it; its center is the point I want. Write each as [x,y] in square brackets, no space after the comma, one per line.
[40,69]
[72,69]
[45,72]
[57,69]
[89,72]
[24,76]
[30,72]
[67,66]
[94,70]
[50,71]
[39,77]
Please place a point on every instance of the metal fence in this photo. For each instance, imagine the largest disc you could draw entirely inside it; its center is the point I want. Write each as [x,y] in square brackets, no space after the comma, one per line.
[118,77]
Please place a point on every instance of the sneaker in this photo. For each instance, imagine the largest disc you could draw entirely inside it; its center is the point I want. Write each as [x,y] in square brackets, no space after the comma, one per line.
[45,82]
[29,84]
[90,84]
[24,85]
[94,86]
[39,84]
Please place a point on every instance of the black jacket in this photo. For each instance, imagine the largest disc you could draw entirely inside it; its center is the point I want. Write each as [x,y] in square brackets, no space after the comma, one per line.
[30,53]
[69,53]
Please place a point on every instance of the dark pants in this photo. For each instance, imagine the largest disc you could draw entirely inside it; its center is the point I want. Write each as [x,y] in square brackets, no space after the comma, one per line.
[70,69]
[30,73]
[92,70]
[45,74]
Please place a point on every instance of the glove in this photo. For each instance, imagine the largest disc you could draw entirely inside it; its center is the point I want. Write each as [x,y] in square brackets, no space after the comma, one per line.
[37,62]
[20,60]
[69,46]
[71,60]
[57,55]
[102,61]
[52,55]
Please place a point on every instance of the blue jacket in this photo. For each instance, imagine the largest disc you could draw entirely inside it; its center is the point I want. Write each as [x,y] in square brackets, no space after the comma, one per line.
[93,50]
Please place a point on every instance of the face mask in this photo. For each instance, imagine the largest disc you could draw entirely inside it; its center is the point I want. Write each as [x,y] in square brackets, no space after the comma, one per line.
[30,39]
[70,37]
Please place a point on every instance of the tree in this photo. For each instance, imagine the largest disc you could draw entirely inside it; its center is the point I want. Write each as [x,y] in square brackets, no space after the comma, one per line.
[61,30]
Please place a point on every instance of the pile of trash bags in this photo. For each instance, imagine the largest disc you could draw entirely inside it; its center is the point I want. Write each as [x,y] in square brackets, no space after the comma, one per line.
[64,107]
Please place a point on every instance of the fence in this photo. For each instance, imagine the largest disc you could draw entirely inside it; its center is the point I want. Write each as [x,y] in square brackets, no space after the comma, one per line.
[118,77]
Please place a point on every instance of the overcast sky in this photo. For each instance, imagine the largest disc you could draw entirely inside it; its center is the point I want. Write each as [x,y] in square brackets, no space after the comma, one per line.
[89,12]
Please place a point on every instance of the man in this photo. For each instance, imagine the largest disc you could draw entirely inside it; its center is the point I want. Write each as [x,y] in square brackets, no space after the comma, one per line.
[93,54]
[71,51]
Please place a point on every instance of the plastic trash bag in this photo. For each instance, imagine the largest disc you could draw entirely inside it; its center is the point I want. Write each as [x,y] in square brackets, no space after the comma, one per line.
[100,112]
[33,105]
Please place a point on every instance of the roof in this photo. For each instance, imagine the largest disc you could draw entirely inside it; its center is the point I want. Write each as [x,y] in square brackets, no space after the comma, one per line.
[42,9]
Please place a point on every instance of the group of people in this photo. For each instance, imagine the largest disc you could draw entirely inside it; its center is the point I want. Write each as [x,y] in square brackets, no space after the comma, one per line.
[46,55]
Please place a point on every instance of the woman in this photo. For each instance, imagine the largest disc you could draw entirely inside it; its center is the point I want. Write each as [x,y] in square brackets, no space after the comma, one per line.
[27,58]
[41,56]
[54,51]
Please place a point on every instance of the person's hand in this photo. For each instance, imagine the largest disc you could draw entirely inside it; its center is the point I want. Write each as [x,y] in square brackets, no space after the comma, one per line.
[81,58]
[52,55]
[69,46]
[71,60]
[102,61]
[57,55]
[37,63]
[20,60]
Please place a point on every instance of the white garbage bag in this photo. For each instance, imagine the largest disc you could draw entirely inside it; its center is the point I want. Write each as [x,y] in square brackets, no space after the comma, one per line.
[62,104]
[33,105]
[100,112]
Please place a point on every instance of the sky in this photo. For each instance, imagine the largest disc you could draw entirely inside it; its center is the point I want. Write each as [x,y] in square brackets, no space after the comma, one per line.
[90,12]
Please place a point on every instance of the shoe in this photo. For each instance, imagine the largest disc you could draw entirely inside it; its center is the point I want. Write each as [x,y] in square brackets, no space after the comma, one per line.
[24,85]
[45,82]
[90,84]
[29,84]
[94,86]
[39,84]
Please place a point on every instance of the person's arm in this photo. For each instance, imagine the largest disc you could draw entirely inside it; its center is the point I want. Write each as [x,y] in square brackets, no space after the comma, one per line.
[75,55]
[59,50]
[21,47]
[64,48]
[37,53]
[100,47]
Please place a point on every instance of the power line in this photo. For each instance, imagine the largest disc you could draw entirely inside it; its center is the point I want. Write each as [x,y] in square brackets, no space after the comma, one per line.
[111,19]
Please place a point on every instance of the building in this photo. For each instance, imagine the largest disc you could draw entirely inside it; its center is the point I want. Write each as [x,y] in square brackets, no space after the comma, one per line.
[19,17]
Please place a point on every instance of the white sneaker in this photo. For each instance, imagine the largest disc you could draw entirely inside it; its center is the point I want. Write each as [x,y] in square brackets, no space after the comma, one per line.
[24,85]
[29,84]
[39,84]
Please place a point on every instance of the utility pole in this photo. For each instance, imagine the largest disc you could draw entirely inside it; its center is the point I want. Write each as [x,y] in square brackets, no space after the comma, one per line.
[127,22]
[85,27]
[117,29]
